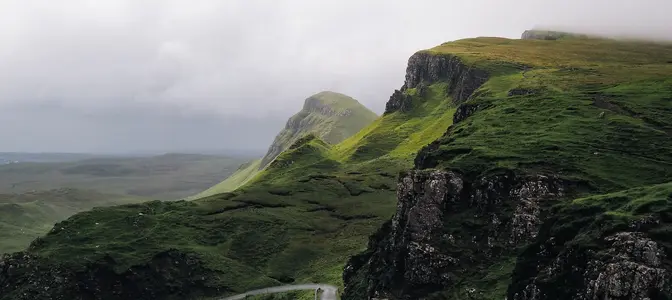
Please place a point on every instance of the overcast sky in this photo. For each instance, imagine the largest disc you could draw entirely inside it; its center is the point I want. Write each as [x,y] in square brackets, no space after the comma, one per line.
[174,75]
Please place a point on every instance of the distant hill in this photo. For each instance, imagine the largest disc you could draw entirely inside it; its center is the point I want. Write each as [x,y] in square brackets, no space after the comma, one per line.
[24,217]
[330,116]
[169,176]
[15,157]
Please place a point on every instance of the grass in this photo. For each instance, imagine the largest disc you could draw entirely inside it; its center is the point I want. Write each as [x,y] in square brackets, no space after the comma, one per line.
[315,205]
[244,174]
[330,116]
[24,217]
[298,220]
[558,128]
[592,111]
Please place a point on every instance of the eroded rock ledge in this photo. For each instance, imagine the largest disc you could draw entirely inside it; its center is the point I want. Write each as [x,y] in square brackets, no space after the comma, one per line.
[426,68]
[445,225]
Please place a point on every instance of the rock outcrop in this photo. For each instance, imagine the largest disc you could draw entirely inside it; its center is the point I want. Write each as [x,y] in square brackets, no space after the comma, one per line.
[446,225]
[624,265]
[169,275]
[425,68]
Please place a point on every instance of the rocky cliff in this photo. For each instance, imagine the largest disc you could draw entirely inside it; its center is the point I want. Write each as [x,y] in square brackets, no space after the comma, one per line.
[446,227]
[491,209]
[425,68]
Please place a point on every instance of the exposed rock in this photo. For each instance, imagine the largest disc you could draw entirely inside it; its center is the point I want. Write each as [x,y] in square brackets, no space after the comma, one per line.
[429,68]
[522,92]
[399,101]
[425,68]
[463,111]
[169,275]
[416,255]
[631,267]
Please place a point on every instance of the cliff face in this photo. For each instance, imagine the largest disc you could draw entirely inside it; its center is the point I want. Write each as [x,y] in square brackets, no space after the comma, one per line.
[330,116]
[445,227]
[493,208]
[425,68]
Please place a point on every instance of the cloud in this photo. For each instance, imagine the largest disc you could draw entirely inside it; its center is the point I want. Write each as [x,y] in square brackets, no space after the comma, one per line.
[253,59]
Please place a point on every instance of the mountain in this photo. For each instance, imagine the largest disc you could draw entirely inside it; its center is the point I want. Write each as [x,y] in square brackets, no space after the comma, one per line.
[331,116]
[24,217]
[525,169]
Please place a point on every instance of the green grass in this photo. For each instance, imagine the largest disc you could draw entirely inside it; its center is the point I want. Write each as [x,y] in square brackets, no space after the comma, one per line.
[24,217]
[559,129]
[239,178]
[298,220]
[330,116]
[597,114]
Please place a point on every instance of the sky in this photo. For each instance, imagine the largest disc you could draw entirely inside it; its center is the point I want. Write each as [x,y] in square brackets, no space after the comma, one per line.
[192,75]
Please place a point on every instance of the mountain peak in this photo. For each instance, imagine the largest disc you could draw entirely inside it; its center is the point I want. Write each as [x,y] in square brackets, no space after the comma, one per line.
[331,116]
[333,100]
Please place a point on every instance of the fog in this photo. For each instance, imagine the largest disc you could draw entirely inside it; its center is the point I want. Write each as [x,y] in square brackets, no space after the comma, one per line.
[174,75]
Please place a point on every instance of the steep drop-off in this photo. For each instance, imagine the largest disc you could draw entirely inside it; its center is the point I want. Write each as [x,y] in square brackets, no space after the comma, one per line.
[330,116]
[500,206]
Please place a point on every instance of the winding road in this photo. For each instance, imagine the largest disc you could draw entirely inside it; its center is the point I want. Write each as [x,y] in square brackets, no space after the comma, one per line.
[328,291]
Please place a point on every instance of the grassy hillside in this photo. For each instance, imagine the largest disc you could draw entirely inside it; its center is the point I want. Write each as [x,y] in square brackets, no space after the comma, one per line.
[587,110]
[168,177]
[23,217]
[590,112]
[594,110]
[245,173]
[330,116]
[299,221]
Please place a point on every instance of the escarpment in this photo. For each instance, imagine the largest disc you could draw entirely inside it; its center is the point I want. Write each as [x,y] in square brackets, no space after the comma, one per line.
[445,227]
[510,202]
[425,68]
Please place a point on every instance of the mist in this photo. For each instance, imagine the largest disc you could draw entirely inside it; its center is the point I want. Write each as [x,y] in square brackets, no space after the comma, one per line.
[173,75]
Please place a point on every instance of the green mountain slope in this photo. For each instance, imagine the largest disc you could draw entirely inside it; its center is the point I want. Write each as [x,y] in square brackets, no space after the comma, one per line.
[245,173]
[519,129]
[330,116]
[24,217]
[491,212]
[308,211]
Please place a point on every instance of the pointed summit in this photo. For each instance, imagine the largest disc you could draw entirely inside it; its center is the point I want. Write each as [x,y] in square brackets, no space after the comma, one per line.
[330,116]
